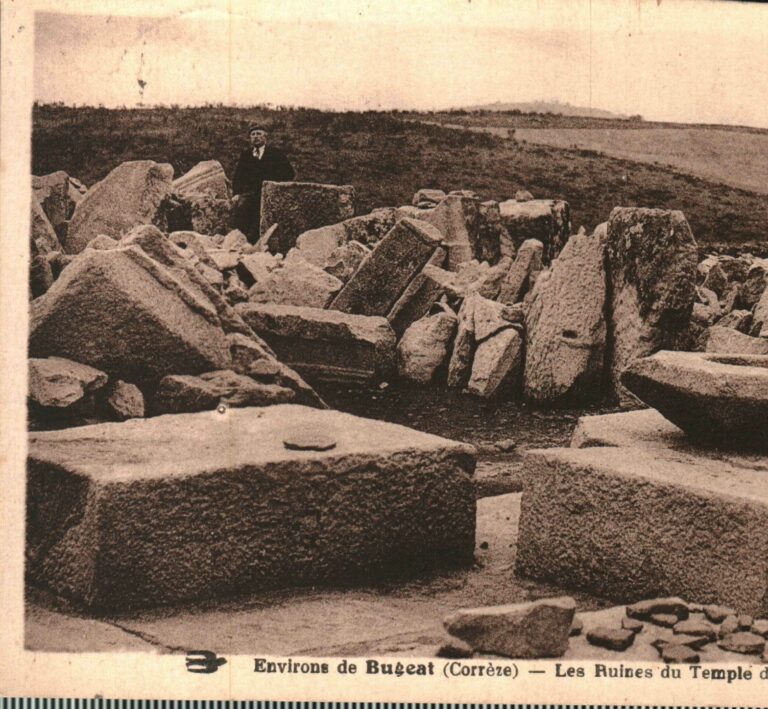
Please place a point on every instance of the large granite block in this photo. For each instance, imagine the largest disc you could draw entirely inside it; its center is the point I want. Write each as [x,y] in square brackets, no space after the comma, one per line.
[548,220]
[385,273]
[638,512]
[195,506]
[325,344]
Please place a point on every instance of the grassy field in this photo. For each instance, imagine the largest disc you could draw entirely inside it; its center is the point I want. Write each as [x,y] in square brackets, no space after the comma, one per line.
[387,159]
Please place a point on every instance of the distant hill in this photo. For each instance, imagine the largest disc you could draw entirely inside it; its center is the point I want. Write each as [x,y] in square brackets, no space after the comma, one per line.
[565,109]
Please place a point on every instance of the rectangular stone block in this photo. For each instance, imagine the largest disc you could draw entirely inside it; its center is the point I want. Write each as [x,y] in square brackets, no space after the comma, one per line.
[386,272]
[196,506]
[547,220]
[644,514]
[325,344]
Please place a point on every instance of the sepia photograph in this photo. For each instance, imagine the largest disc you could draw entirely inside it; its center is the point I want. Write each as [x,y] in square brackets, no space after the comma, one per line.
[430,337]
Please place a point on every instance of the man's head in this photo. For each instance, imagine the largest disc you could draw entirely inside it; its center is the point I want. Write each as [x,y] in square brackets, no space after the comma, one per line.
[257,135]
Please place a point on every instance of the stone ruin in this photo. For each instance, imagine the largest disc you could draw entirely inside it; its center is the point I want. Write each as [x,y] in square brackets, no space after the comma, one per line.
[153,324]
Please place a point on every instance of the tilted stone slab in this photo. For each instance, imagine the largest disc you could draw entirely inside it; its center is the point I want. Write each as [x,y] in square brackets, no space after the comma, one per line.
[296,207]
[129,195]
[197,506]
[648,515]
[53,193]
[325,344]
[123,313]
[386,272]
[715,398]
[207,177]
[651,260]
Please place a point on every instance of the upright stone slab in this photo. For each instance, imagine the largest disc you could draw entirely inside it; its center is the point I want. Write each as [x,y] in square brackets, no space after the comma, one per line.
[325,344]
[638,512]
[123,313]
[497,364]
[547,220]
[53,193]
[129,195]
[388,269]
[296,207]
[42,236]
[651,265]
[207,177]
[175,520]
[457,218]
[565,325]
[424,348]
[521,277]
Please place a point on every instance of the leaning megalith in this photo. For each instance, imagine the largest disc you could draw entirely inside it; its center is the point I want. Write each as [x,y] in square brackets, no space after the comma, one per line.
[651,260]
[199,506]
[565,324]
[296,207]
[129,195]
[207,177]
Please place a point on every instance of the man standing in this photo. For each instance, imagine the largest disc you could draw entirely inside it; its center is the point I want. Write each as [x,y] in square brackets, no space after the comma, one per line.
[257,163]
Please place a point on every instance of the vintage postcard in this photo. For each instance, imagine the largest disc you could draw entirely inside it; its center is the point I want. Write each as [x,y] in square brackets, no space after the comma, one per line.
[385,351]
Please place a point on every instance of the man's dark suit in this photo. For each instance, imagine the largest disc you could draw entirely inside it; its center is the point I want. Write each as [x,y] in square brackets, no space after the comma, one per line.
[250,174]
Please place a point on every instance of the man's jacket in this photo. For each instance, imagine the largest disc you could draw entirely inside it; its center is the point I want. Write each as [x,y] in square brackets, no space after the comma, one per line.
[251,172]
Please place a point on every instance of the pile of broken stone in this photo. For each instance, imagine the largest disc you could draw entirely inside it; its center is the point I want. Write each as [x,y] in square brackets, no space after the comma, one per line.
[540,629]
[145,302]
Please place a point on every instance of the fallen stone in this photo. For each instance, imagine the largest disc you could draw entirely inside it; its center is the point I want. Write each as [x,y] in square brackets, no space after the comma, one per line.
[665,620]
[194,246]
[281,518]
[296,282]
[737,320]
[418,297]
[224,259]
[651,267]
[676,654]
[325,344]
[344,261]
[370,229]
[57,382]
[234,289]
[460,364]
[693,626]
[523,196]
[522,274]
[256,267]
[178,394]
[309,440]
[744,643]
[235,240]
[207,177]
[297,207]
[745,621]
[53,193]
[694,642]
[42,236]
[453,648]
[423,349]
[724,340]
[386,272]
[129,195]
[631,624]
[488,317]
[457,219]
[728,626]
[632,489]
[760,627]
[123,313]
[40,275]
[617,639]
[577,627]
[565,325]
[714,398]
[317,245]
[546,220]
[754,284]
[207,214]
[717,614]
[497,364]
[102,243]
[123,401]
[759,326]
[523,630]
[492,234]
[428,195]
[716,280]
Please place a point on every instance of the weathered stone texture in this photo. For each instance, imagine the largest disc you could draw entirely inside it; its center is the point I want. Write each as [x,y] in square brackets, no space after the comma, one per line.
[207,177]
[424,347]
[546,220]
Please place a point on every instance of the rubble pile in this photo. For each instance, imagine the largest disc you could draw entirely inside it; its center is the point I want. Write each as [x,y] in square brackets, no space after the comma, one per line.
[494,299]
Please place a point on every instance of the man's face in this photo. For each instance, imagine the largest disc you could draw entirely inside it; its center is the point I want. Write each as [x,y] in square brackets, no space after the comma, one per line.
[258,137]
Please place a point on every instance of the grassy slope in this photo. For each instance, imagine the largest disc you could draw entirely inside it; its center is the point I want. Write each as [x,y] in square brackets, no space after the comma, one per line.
[387,160]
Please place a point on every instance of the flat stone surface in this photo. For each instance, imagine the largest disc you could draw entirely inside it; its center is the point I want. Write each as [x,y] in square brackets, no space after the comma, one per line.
[721,399]
[248,513]
[646,609]
[617,519]
[744,643]
[325,344]
[617,639]
[547,220]
[680,654]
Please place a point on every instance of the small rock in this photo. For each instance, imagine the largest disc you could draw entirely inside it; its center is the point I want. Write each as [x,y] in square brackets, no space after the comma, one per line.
[666,620]
[631,624]
[744,643]
[695,627]
[674,654]
[695,642]
[577,627]
[124,401]
[761,627]
[453,648]
[506,444]
[307,440]
[523,196]
[643,610]
[717,614]
[729,625]
[618,639]
[745,621]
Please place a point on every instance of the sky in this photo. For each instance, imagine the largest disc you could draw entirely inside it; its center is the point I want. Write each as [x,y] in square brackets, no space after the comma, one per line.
[678,60]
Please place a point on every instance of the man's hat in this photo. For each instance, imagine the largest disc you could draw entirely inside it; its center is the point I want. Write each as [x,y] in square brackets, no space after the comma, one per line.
[257,125]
